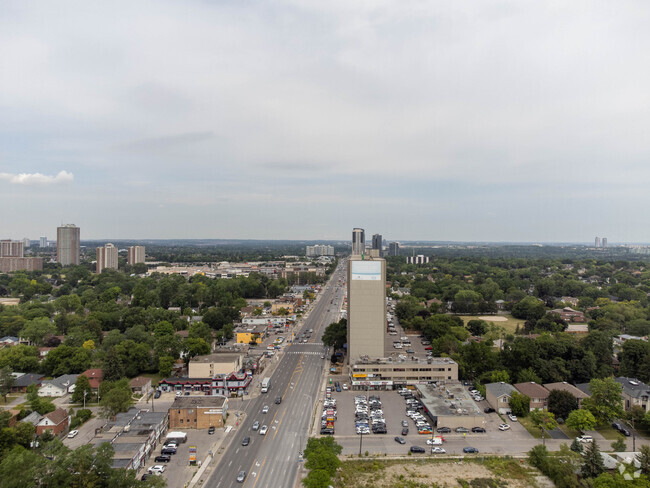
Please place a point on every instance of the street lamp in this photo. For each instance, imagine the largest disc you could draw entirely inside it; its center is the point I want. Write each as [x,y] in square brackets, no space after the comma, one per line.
[85,393]
[360,441]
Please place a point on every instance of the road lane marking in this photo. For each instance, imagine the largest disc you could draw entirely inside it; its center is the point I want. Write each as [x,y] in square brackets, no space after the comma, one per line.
[261,466]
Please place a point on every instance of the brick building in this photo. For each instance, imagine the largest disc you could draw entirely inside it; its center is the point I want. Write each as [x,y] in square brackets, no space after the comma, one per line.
[198,412]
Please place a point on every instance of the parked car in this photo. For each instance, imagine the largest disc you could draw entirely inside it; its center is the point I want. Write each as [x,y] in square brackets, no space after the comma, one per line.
[437,450]
[470,450]
[618,426]
[478,430]
[168,450]
[157,469]
[157,394]
[443,430]
[512,417]
[400,440]
[504,427]
[245,441]
[405,423]
[585,438]
[163,458]
[462,430]
[417,450]
[73,433]
[241,476]
[488,410]
[211,430]
[405,431]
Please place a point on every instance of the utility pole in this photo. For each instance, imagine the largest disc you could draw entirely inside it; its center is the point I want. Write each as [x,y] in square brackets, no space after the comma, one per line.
[360,442]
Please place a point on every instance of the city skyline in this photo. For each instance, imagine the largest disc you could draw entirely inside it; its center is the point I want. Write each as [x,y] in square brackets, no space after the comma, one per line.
[483,121]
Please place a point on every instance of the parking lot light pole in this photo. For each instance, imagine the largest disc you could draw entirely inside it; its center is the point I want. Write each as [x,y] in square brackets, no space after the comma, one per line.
[360,442]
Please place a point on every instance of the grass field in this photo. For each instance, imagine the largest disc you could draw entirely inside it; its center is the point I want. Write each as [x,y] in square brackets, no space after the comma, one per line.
[510,324]
[427,472]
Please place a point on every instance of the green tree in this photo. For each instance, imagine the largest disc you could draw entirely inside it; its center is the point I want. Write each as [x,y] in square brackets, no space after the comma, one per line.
[519,404]
[82,385]
[36,330]
[336,334]
[605,402]
[7,381]
[576,446]
[528,375]
[561,403]
[165,365]
[644,459]
[117,399]
[477,327]
[543,420]
[500,376]
[632,358]
[195,347]
[200,330]
[581,420]
[530,308]
[592,465]
[619,445]
[113,367]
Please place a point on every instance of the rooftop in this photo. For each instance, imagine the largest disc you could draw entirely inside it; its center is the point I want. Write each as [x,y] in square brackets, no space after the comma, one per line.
[532,389]
[633,387]
[217,401]
[217,358]
[450,399]
[564,386]
[500,389]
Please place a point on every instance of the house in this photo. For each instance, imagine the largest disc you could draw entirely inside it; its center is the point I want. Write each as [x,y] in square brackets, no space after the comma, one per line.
[569,315]
[58,386]
[95,377]
[55,422]
[9,341]
[23,381]
[140,385]
[570,300]
[498,396]
[537,393]
[635,393]
[564,386]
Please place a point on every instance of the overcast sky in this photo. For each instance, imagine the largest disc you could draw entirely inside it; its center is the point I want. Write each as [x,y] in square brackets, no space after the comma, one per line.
[477,121]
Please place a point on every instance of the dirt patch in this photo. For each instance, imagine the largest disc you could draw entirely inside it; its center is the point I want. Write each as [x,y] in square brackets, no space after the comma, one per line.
[446,474]
[493,318]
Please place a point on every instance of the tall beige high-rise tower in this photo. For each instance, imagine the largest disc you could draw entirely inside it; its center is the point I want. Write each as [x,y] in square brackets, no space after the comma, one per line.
[106,257]
[366,308]
[135,255]
[358,241]
[67,244]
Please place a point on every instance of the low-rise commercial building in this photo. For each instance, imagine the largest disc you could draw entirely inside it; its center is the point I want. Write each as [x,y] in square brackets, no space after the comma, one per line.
[449,405]
[385,374]
[230,385]
[251,333]
[215,364]
[134,436]
[198,412]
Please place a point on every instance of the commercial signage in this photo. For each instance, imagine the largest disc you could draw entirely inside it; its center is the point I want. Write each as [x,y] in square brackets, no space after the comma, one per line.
[366,270]
[359,375]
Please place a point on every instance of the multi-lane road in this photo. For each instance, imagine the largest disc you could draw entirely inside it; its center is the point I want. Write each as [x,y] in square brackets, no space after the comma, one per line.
[272,460]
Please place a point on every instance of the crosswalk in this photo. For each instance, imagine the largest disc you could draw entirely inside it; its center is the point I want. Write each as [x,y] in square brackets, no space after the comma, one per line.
[313,353]
[307,344]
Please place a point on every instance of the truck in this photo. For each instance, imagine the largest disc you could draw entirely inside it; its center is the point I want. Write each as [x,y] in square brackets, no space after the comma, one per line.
[176,436]
[266,385]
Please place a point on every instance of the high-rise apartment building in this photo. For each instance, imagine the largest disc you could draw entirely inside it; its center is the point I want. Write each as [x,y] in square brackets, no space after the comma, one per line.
[393,249]
[358,241]
[604,241]
[135,255]
[419,259]
[376,243]
[42,241]
[597,242]
[67,244]
[366,308]
[26,242]
[11,249]
[319,250]
[106,257]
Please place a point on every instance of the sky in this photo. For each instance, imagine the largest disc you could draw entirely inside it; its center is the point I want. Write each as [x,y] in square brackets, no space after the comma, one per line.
[519,121]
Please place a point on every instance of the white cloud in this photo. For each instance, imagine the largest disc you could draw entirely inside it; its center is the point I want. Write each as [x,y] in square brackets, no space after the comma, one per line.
[37,178]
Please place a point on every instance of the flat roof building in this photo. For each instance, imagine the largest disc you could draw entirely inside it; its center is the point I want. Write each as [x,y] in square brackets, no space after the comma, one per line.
[449,405]
[106,257]
[135,255]
[198,412]
[386,374]
[68,244]
[358,241]
[215,364]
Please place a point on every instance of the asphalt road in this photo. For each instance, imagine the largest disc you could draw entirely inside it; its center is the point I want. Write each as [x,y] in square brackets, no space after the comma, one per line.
[273,459]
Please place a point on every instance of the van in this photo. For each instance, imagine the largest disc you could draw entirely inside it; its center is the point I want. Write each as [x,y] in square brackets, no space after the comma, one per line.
[585,438]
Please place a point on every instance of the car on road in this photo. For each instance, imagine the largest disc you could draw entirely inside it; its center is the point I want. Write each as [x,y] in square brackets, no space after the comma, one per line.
[400,440]
[443,430]
[437,450]
[157,469]
[265,409]
[157,394]
[73,433]
[489,410]
[504,427]
[405,423]
[263,430]
[435,441]
[405,431]
[256,425]
[211,430]
[469,450]
[245,441]
[618,426]
[512,417]
[163,458]
[241,476]
[417,450]
[278,400]
[478,430]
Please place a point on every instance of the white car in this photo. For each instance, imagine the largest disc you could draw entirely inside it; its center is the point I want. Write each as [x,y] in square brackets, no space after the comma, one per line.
[265,409]
[264,430]
[504,427]
[437,450]
[73,433]
[512,417]
[157,469]
[436,441]
[585,438]
[344,386]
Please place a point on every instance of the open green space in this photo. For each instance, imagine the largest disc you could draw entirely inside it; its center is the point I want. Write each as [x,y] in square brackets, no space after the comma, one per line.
[509,325]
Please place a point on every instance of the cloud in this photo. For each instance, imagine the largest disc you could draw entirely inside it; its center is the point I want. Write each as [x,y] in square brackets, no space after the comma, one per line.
[37,178]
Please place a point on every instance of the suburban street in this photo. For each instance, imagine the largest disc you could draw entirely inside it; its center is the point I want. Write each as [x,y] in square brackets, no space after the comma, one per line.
[273,459]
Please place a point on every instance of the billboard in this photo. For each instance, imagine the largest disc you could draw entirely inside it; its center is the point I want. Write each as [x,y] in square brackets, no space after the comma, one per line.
[366,270]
